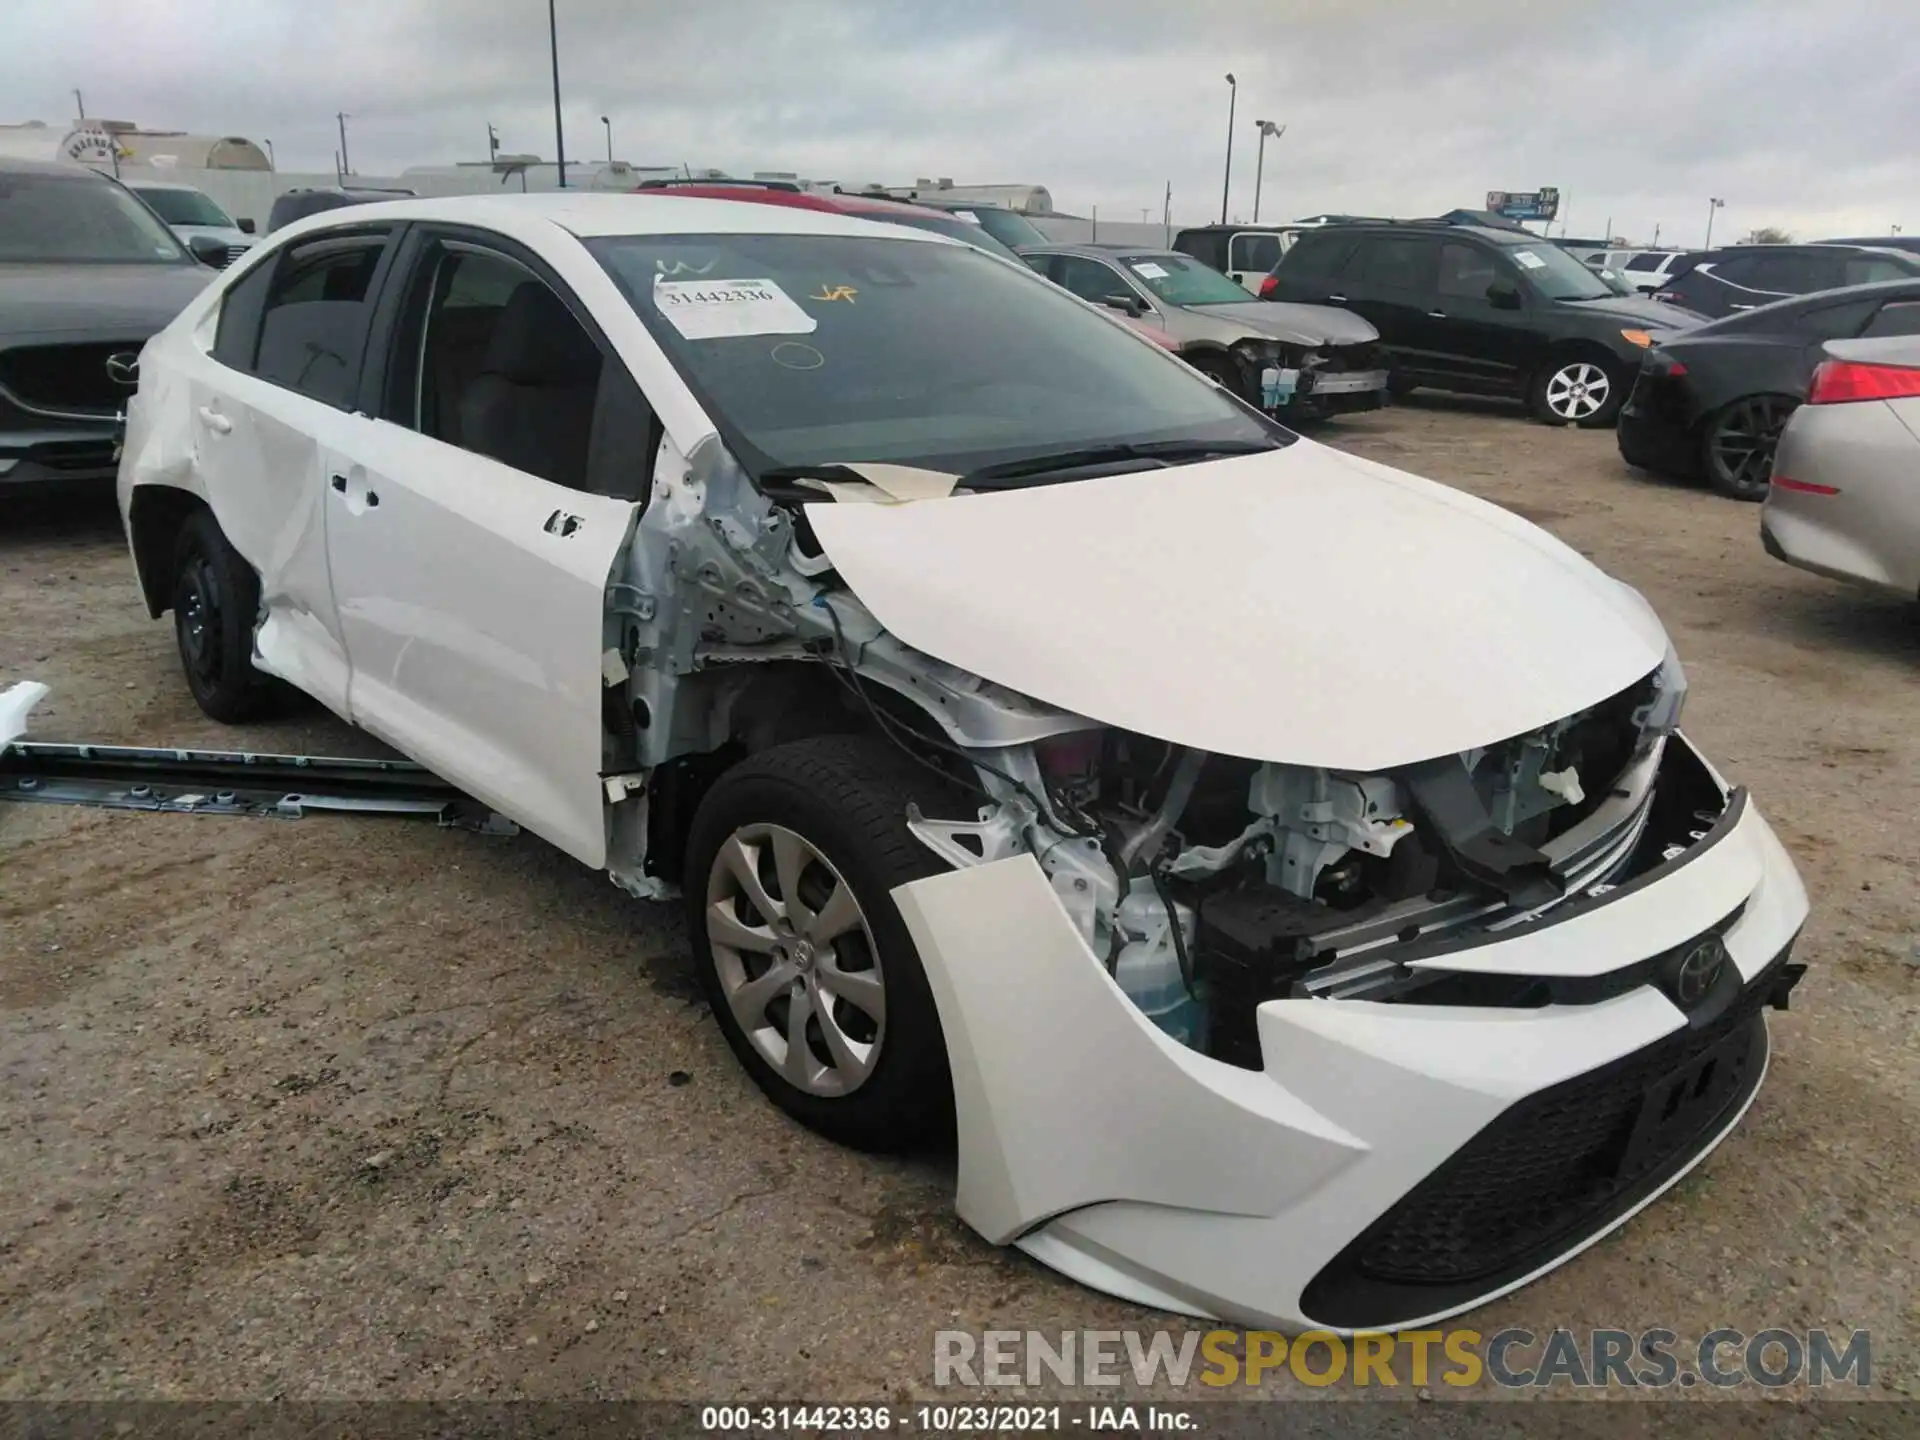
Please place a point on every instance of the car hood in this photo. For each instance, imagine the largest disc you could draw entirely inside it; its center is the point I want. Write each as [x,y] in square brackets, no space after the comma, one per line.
[122,301]
[1300,605]
[1644,311]
[1296,324]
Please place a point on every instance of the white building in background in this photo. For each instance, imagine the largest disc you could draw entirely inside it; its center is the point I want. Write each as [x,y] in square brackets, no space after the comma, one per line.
[105,143]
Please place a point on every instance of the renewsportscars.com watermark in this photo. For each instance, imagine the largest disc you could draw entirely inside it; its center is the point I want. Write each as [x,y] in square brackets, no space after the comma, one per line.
[1512,1359]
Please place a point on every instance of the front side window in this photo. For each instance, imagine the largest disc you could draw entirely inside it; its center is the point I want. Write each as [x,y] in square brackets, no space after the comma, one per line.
[313,328]
[1089,279]
[490,358]
[1466,271]
[1182,280]
[183,207]
[82,219]
[1871,269]
[811,350]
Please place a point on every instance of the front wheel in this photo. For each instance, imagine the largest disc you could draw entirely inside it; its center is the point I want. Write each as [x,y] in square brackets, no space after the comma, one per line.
[1577,391]
[1738,441]
[801,951]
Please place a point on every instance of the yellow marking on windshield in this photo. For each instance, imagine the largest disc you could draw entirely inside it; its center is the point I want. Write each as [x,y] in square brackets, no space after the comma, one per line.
[835,292]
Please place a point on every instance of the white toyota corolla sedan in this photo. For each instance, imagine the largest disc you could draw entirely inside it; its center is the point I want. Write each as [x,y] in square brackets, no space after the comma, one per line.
[1284,875]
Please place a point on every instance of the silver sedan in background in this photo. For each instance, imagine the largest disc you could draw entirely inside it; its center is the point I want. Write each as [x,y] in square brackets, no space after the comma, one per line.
[1296,362]
[1845,496]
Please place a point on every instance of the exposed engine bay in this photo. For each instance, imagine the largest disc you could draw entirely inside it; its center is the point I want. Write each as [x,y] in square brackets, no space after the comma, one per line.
[1206,883]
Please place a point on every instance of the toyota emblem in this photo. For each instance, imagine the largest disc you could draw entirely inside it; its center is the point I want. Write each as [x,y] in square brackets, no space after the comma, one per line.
[123,368]
[1695,971]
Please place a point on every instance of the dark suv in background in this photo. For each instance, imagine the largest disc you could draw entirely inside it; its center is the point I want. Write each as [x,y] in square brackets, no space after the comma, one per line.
[1481,311]
[1717,283]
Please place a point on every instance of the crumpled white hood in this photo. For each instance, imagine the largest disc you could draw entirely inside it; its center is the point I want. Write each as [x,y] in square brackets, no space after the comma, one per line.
[1302,606]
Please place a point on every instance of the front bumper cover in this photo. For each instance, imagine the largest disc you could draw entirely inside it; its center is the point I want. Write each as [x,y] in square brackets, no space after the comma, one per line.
[1312,1193]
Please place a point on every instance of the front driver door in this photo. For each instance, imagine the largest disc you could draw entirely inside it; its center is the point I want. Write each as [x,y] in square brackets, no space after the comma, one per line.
[470,587]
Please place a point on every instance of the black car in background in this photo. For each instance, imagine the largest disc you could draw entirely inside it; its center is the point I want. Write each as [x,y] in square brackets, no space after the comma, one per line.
[299,204]
[1482,311]
[1712,401]
[1718,283]
[87,274]
[1909,243]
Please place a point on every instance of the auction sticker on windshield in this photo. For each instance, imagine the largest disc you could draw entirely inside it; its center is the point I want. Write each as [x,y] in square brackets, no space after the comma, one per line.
[1530,260]
[720,309]
[1150,270]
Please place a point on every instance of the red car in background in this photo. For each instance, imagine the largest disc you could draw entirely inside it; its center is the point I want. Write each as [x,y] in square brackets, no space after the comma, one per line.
[867,207]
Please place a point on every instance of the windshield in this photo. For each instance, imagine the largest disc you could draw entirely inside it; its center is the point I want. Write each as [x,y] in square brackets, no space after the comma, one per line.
[1005,226]
[183,207]
[941,223]
[78,220]
[815,350]
[1556,274]
[1182,280]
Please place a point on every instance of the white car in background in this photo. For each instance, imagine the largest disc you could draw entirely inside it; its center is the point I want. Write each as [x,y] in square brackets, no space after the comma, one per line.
[997,693]
[192,214]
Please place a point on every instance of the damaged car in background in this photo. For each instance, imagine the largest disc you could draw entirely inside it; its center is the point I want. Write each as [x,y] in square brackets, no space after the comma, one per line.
[1284,877]
[1298,362]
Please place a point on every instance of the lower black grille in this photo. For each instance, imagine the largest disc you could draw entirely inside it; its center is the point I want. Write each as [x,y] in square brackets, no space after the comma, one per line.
[1551,1169]
[1364,356]
[67,377]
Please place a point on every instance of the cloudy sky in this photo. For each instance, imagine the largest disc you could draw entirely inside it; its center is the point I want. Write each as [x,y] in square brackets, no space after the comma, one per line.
[1802,115]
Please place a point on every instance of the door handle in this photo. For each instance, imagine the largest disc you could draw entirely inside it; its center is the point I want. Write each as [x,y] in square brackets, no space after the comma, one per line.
[1436,314]
[1337,299]
[215,421]
[339,483]
[1732,306]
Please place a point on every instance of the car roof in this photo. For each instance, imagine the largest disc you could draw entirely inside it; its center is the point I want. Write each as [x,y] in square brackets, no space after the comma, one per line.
[20,165]
[1423,227]
[160,185]
[591,215]
[1755,321]
[834,202]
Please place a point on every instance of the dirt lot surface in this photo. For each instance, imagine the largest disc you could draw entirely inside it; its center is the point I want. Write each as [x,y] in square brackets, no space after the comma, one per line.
[340,1107]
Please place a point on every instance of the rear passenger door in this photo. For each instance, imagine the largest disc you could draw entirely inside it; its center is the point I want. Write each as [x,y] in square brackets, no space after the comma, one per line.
[277,385]
[1389,280]
[475,511]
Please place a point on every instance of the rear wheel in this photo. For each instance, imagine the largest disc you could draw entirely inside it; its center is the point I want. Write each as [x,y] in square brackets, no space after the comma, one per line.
[216,600]
[800,948]
[1577,390]
[1738,441]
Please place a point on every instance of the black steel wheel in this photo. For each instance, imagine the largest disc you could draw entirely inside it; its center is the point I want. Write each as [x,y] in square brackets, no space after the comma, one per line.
[216,600]
[1738,444]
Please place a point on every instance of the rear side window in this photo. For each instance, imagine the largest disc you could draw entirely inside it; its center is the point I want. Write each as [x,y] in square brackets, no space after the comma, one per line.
[1870,270]
[236,341]
[1649,260]
[1206,246]
[313,317]
[1834,322]
[1392,264]
[1898,317]
[1254,253]
[1317,256]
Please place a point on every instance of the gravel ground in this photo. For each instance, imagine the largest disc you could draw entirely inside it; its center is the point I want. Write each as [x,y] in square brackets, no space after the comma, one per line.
[359,1108]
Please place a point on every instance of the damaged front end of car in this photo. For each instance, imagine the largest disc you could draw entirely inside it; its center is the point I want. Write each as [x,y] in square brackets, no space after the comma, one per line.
[1320,1044]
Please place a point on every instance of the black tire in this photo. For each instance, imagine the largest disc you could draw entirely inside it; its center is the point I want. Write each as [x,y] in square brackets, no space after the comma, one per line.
[846,797]
[1566,382]
[1737,442]
[1220,368]
[216,602]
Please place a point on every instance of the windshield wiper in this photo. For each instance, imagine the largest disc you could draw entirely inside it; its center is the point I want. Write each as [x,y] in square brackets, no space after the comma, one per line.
[1173,452]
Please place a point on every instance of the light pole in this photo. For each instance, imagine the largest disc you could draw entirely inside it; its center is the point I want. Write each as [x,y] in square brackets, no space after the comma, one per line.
[559,134]
[346,165]
[609,126]
[1226,180]
[1712,205]
[80,105]
[272,164]
[1267,127]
